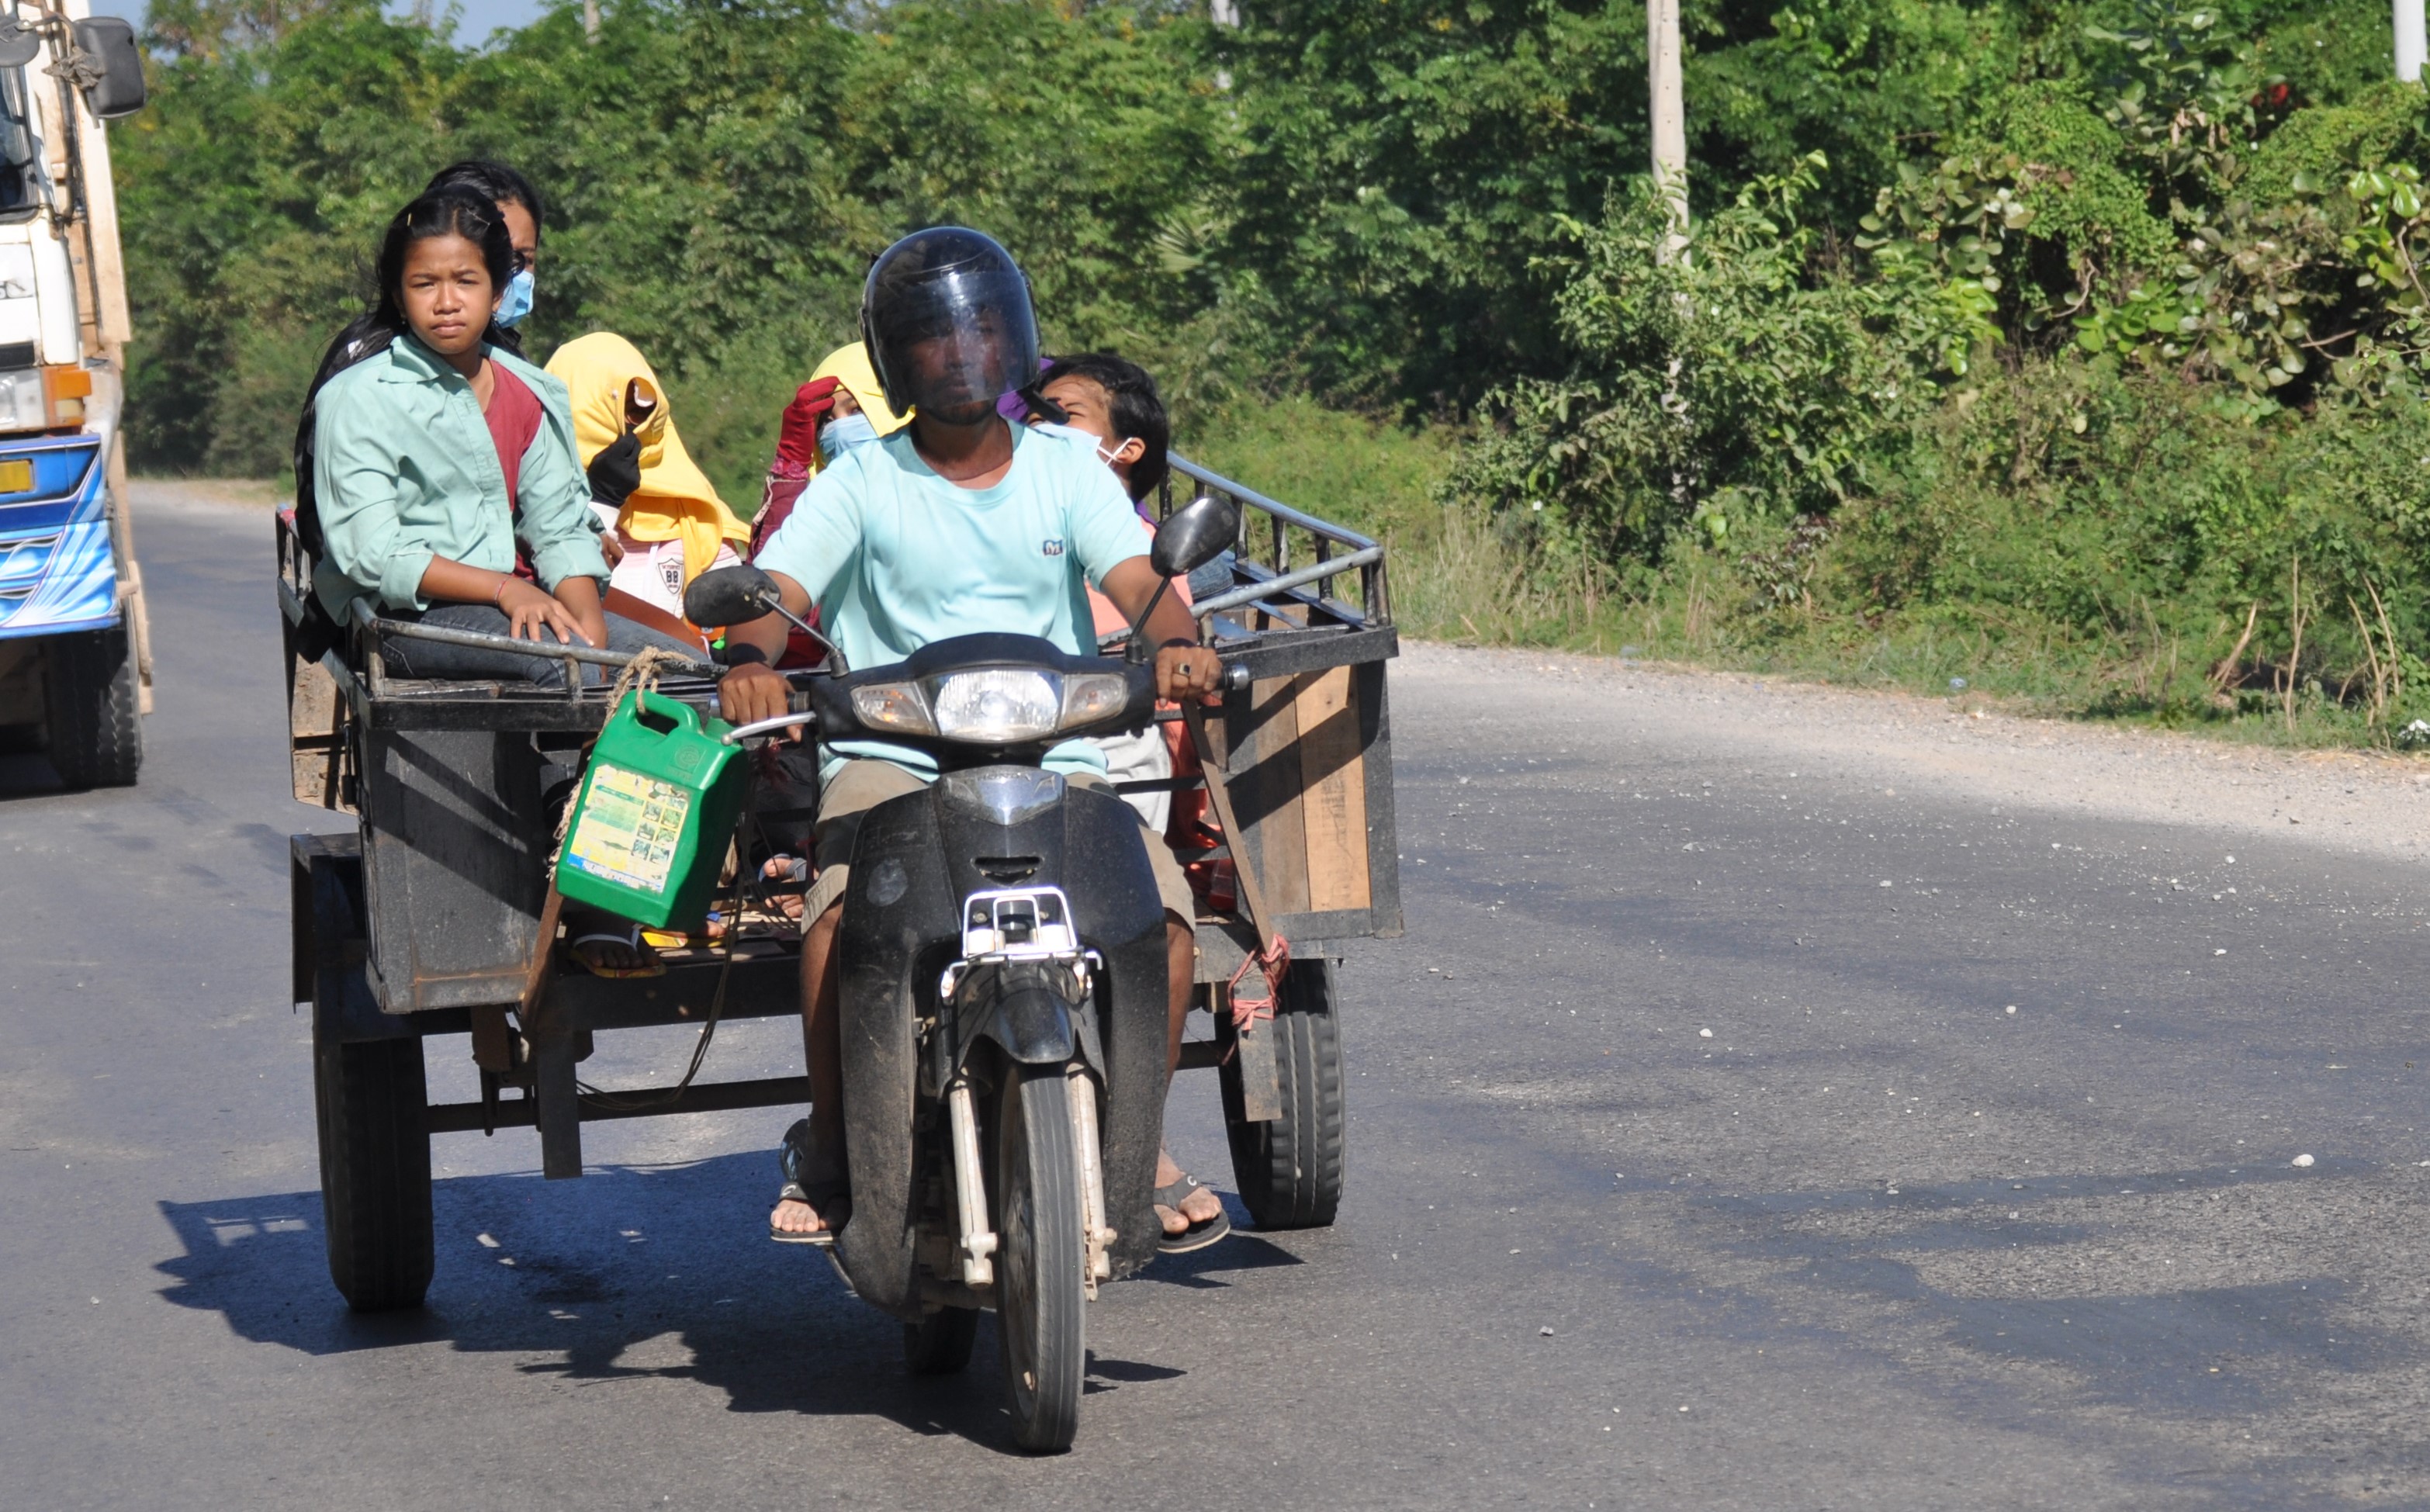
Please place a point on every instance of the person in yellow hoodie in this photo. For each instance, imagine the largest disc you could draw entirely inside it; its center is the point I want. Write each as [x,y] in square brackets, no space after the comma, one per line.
[654,498]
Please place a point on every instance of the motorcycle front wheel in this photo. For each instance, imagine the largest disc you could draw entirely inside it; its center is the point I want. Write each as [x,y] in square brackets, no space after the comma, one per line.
[1041,1260]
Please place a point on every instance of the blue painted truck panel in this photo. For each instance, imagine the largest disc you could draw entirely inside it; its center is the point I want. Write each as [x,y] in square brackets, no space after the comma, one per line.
[57,569]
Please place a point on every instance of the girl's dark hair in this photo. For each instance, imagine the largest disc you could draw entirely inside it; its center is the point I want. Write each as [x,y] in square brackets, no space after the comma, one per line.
[451,211]
[494,181]
[1136,411]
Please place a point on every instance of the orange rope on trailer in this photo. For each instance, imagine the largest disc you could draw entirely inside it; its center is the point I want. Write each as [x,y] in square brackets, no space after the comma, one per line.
[1250,1009]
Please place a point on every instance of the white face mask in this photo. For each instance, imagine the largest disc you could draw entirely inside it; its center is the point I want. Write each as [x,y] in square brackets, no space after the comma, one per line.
[1096,447]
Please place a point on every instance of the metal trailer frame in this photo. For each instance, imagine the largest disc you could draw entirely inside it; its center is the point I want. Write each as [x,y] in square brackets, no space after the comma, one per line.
[426,921]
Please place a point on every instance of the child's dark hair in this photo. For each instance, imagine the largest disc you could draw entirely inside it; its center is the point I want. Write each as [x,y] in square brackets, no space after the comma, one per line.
[494,182]
[1136,411]
[452,211]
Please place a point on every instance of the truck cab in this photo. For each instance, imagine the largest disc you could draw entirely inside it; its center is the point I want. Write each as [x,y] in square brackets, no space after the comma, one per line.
[74,655]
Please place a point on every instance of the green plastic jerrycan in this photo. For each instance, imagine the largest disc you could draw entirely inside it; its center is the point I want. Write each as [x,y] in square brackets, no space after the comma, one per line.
[654,814]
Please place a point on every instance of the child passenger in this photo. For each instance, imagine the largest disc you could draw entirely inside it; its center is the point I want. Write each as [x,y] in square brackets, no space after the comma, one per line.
[437,456]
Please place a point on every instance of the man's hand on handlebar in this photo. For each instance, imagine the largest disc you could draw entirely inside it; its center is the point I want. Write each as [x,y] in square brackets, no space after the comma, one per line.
[754,692]
[1185,670]
[529,610]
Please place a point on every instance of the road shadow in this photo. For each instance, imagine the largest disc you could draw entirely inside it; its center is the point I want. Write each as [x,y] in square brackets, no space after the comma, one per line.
[26,773]
[634,1271]
[2199,1350]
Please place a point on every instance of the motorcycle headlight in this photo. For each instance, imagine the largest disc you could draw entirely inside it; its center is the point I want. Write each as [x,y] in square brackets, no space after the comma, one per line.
[1000,704]
[894,706]
[1091,696]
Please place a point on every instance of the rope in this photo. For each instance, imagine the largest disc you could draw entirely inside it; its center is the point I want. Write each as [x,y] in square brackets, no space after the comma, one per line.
[641,676]
[1256,1007]
[641,673]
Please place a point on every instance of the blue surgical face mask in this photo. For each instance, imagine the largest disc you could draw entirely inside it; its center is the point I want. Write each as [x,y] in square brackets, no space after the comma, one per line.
[517,301]
[843,432]
[1096,447]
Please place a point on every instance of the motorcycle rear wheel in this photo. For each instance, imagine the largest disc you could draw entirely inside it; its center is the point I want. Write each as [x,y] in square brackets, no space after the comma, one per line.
[1041,1264]
[940,1344]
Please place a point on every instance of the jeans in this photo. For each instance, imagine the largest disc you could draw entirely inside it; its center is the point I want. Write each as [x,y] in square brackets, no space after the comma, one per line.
[1211,580]
[408,657]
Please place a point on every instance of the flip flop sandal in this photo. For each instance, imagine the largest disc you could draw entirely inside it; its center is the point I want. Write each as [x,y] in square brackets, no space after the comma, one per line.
[1201,1233]
[830,1198]
[708,934]
[630,937]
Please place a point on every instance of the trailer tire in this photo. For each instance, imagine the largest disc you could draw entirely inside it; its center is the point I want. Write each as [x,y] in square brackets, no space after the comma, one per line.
[375,1171]
[89,696]
[1290,1169]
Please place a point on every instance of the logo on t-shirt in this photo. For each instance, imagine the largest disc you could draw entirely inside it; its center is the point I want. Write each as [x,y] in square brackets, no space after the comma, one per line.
[1053,547]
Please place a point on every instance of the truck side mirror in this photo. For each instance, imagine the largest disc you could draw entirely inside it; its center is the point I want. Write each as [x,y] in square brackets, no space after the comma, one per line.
[109,42]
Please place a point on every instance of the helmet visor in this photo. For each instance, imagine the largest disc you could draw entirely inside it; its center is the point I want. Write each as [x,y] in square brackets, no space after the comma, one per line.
[950,325]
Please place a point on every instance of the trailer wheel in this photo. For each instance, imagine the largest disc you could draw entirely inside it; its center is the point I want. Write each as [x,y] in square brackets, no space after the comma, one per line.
[940,1344]
[375,1171]
[1290,1169]
[90,697]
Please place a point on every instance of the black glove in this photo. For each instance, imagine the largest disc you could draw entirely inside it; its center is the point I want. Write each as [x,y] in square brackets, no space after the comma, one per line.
[616,471]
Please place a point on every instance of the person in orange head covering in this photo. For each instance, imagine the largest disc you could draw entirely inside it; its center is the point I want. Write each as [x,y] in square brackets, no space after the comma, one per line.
[665,513]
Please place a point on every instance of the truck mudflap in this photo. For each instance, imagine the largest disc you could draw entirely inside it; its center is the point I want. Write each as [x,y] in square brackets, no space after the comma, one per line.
[58,570]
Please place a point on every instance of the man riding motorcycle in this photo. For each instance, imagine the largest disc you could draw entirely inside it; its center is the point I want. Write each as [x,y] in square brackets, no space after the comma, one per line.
[958,523]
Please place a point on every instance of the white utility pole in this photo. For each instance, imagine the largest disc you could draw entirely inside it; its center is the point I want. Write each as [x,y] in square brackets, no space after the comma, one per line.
[591,22]
[1670,117]
[2409,46]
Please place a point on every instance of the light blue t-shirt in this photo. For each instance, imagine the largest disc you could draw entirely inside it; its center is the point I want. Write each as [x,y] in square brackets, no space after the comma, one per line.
[895,556]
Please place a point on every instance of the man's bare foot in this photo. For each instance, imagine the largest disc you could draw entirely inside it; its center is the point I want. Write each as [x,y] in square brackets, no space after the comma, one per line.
[793,1216]
[1200,1207]
[782,869]
[815,1200]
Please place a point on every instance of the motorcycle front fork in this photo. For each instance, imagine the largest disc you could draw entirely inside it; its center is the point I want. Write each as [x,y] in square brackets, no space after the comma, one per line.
[978,1243]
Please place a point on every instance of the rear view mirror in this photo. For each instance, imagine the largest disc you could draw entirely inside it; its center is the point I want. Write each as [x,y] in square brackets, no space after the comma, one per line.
[119,91]
[730,595]
[19,43]
[1195,535]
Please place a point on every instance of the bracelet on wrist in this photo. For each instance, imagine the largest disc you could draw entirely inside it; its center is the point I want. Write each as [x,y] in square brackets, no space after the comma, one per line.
[745,655]
[498,597]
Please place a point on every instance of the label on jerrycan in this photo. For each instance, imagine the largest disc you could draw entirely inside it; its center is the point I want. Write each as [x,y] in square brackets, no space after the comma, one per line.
[629,829]
[654,816]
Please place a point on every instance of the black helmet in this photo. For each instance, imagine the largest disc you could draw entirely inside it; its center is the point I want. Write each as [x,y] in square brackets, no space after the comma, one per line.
[946,317]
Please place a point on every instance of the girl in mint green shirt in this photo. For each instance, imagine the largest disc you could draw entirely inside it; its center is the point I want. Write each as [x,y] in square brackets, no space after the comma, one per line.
[435,456]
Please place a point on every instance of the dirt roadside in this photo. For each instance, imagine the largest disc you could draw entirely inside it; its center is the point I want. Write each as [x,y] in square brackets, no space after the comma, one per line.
[2351,801]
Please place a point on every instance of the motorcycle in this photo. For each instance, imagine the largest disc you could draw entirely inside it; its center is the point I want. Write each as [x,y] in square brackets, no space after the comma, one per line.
[1002,964]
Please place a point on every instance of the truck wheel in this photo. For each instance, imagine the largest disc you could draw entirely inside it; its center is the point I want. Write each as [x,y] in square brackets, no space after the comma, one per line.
[940,1344]
[1040,1258]
[90,694]
[1290,1169]
[375,1171]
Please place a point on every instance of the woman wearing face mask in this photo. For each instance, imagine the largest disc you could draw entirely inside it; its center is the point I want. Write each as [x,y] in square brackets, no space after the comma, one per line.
[841,407]
[518,202]
[660,506]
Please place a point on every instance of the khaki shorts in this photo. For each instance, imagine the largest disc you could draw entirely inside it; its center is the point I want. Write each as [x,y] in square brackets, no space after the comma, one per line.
[860,785]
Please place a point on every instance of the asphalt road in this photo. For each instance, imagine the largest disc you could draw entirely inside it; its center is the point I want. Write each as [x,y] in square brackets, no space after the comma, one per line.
[1874,1242]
